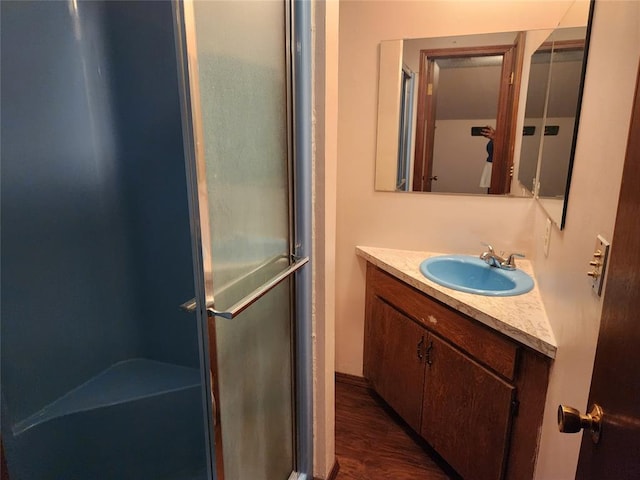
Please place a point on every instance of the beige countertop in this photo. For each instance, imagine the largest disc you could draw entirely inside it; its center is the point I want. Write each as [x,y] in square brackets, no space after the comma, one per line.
[521,317]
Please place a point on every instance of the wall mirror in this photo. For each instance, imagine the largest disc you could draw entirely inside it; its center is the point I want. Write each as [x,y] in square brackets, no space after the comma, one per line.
[469,95]
[547,160]
[534,117]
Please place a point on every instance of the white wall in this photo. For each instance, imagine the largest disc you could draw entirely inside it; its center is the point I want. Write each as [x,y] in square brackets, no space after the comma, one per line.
[410,220]
[574,311]
[325,152]
[389,109]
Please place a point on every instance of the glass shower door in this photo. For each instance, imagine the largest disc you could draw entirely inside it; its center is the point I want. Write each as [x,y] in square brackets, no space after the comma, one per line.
[236,110]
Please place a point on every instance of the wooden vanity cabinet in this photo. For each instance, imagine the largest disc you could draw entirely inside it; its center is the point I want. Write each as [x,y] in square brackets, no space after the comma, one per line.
[475,395]
[398,376]
[466,405]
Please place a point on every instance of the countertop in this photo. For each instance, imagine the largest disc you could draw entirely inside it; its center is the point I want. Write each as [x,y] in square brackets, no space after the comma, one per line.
[520,317]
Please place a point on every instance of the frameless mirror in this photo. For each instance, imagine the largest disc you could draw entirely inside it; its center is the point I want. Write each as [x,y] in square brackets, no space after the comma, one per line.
[547,156]
[456,165]
[534,117]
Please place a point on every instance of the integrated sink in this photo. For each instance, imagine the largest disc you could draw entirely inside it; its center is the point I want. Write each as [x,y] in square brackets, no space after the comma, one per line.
[472,275]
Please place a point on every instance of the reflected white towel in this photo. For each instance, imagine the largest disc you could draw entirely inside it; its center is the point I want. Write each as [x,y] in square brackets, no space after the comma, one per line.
[485,178]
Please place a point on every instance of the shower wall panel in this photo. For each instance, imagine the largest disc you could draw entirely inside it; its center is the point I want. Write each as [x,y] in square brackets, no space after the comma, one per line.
[96,247]
[152,174]
[68,306]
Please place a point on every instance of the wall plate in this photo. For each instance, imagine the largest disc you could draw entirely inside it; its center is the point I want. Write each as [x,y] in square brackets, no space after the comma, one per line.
[547,237]
[599,264]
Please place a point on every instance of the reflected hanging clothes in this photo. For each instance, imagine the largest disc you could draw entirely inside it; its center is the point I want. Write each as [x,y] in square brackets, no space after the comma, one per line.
[485,178]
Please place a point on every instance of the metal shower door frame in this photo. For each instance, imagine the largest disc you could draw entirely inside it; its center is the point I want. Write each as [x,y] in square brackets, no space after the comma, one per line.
[299,126]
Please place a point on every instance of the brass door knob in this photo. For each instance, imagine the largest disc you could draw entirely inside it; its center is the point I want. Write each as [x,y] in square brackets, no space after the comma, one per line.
[570,420]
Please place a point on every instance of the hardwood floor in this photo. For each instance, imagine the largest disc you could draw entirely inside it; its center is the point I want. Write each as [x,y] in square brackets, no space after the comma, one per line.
[372,443]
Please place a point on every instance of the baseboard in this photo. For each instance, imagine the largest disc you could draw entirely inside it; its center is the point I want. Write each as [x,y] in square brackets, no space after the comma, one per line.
[333,474]
[353,380]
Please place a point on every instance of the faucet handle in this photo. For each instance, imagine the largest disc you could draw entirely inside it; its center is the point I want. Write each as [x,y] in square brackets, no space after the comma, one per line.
[488,246]
[510,262]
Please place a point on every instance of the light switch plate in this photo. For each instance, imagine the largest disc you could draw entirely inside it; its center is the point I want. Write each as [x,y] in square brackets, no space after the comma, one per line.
[598,264]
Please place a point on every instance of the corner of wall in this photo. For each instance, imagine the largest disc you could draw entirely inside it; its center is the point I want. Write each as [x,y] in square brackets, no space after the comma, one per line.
[325,101]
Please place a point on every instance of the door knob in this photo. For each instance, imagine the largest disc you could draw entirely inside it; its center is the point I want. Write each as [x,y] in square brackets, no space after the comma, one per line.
[571,420]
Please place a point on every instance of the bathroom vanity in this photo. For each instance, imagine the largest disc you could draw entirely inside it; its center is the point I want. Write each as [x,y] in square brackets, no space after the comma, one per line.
[468,373]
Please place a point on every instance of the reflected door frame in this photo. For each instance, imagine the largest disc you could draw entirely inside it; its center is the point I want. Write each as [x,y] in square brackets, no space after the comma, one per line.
[509,91]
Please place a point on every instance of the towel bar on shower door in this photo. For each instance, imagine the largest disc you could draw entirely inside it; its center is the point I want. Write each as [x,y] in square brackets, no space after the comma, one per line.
[251,298]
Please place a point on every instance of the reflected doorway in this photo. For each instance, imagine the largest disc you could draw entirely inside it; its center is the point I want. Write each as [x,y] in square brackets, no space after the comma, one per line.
[490,76]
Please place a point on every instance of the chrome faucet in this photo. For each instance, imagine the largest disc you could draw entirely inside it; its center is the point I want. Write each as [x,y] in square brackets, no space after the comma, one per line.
[494,260]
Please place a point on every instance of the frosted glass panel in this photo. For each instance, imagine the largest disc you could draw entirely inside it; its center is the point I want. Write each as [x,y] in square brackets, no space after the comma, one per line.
[255,381]
[242,80]
[242,77]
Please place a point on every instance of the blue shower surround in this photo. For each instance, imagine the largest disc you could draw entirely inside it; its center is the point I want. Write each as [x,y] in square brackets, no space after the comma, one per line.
[96,248]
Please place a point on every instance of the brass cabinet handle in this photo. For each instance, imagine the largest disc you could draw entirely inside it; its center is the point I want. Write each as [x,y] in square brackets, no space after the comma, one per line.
[420,343]
[428,353]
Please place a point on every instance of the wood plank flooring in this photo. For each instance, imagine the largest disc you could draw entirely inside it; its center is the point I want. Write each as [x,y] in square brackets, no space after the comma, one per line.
[372,443]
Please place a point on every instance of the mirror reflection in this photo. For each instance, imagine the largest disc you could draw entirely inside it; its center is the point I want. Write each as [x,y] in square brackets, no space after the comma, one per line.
[547,156]
[560,125]
[534,117]
[435,143]
[552,102]
[466,86]
[562,102]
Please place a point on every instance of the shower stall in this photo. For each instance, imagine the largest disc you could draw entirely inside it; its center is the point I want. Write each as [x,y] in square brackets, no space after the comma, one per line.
[103,375]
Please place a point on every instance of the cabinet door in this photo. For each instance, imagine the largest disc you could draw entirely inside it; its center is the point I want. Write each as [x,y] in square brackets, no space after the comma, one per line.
[394,360]
[466,412]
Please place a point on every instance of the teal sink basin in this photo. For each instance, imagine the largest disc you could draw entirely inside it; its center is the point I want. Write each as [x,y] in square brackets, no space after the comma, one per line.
[472,275]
